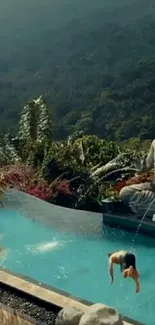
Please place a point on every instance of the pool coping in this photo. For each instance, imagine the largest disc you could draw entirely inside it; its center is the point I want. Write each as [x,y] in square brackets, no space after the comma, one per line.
[48,294]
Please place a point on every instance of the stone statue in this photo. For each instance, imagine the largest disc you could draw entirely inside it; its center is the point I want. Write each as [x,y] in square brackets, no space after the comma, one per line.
[141,197]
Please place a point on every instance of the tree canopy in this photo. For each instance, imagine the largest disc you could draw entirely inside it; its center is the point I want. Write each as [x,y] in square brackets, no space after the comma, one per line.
[93,64]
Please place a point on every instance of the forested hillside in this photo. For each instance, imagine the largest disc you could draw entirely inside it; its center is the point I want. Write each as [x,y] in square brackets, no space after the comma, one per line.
[94,62]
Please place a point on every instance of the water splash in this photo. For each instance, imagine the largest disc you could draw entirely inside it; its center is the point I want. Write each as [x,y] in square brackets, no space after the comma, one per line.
[3,255]
[140,224]
[44,247]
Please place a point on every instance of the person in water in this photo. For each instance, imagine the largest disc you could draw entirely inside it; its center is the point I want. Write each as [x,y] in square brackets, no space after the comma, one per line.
[127,262]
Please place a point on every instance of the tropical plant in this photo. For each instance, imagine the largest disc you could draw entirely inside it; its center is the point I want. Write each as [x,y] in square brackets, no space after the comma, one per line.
[35,129]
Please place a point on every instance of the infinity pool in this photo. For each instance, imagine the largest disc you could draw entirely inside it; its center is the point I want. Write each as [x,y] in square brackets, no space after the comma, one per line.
[77,263]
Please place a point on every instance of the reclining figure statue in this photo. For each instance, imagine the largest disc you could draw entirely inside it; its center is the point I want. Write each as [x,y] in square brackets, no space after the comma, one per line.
[141,197]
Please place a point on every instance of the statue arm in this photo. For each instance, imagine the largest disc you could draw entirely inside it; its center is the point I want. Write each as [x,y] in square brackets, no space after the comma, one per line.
[148,162]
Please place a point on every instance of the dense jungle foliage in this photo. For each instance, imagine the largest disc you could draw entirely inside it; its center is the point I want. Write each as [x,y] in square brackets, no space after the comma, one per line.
[93,62]
[78,173]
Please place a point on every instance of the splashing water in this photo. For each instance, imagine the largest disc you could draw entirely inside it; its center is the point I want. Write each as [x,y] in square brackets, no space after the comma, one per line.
[44,247]
[140,224]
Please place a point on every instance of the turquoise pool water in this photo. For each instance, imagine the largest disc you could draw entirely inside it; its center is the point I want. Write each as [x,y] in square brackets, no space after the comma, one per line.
[78,264]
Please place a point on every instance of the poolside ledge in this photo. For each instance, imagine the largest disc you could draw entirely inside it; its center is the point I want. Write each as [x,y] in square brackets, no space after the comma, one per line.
[44,294]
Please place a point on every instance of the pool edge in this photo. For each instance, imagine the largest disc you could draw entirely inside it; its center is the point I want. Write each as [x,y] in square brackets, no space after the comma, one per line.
[48,294]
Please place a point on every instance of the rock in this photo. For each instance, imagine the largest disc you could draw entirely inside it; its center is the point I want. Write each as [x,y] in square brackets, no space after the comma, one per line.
[69,316]
[99,314]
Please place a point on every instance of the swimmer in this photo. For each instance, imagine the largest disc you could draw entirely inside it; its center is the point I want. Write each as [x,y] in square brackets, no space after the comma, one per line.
[127,262]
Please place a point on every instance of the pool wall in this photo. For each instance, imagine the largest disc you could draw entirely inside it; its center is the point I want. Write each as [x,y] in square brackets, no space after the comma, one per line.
[45,294]
[130,223]
[70,220]
[77,221]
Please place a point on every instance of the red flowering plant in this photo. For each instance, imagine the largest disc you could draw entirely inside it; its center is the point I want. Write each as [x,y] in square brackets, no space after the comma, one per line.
[119,185]
[61,187]
[145,177]
[26,179]
[62,193]
[18,176]
[43,193]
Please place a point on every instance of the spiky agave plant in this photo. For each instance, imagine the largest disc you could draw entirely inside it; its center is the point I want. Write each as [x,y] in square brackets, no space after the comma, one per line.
[34,128]
[8,152]
[44,127]
[35,122]
[28,122]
